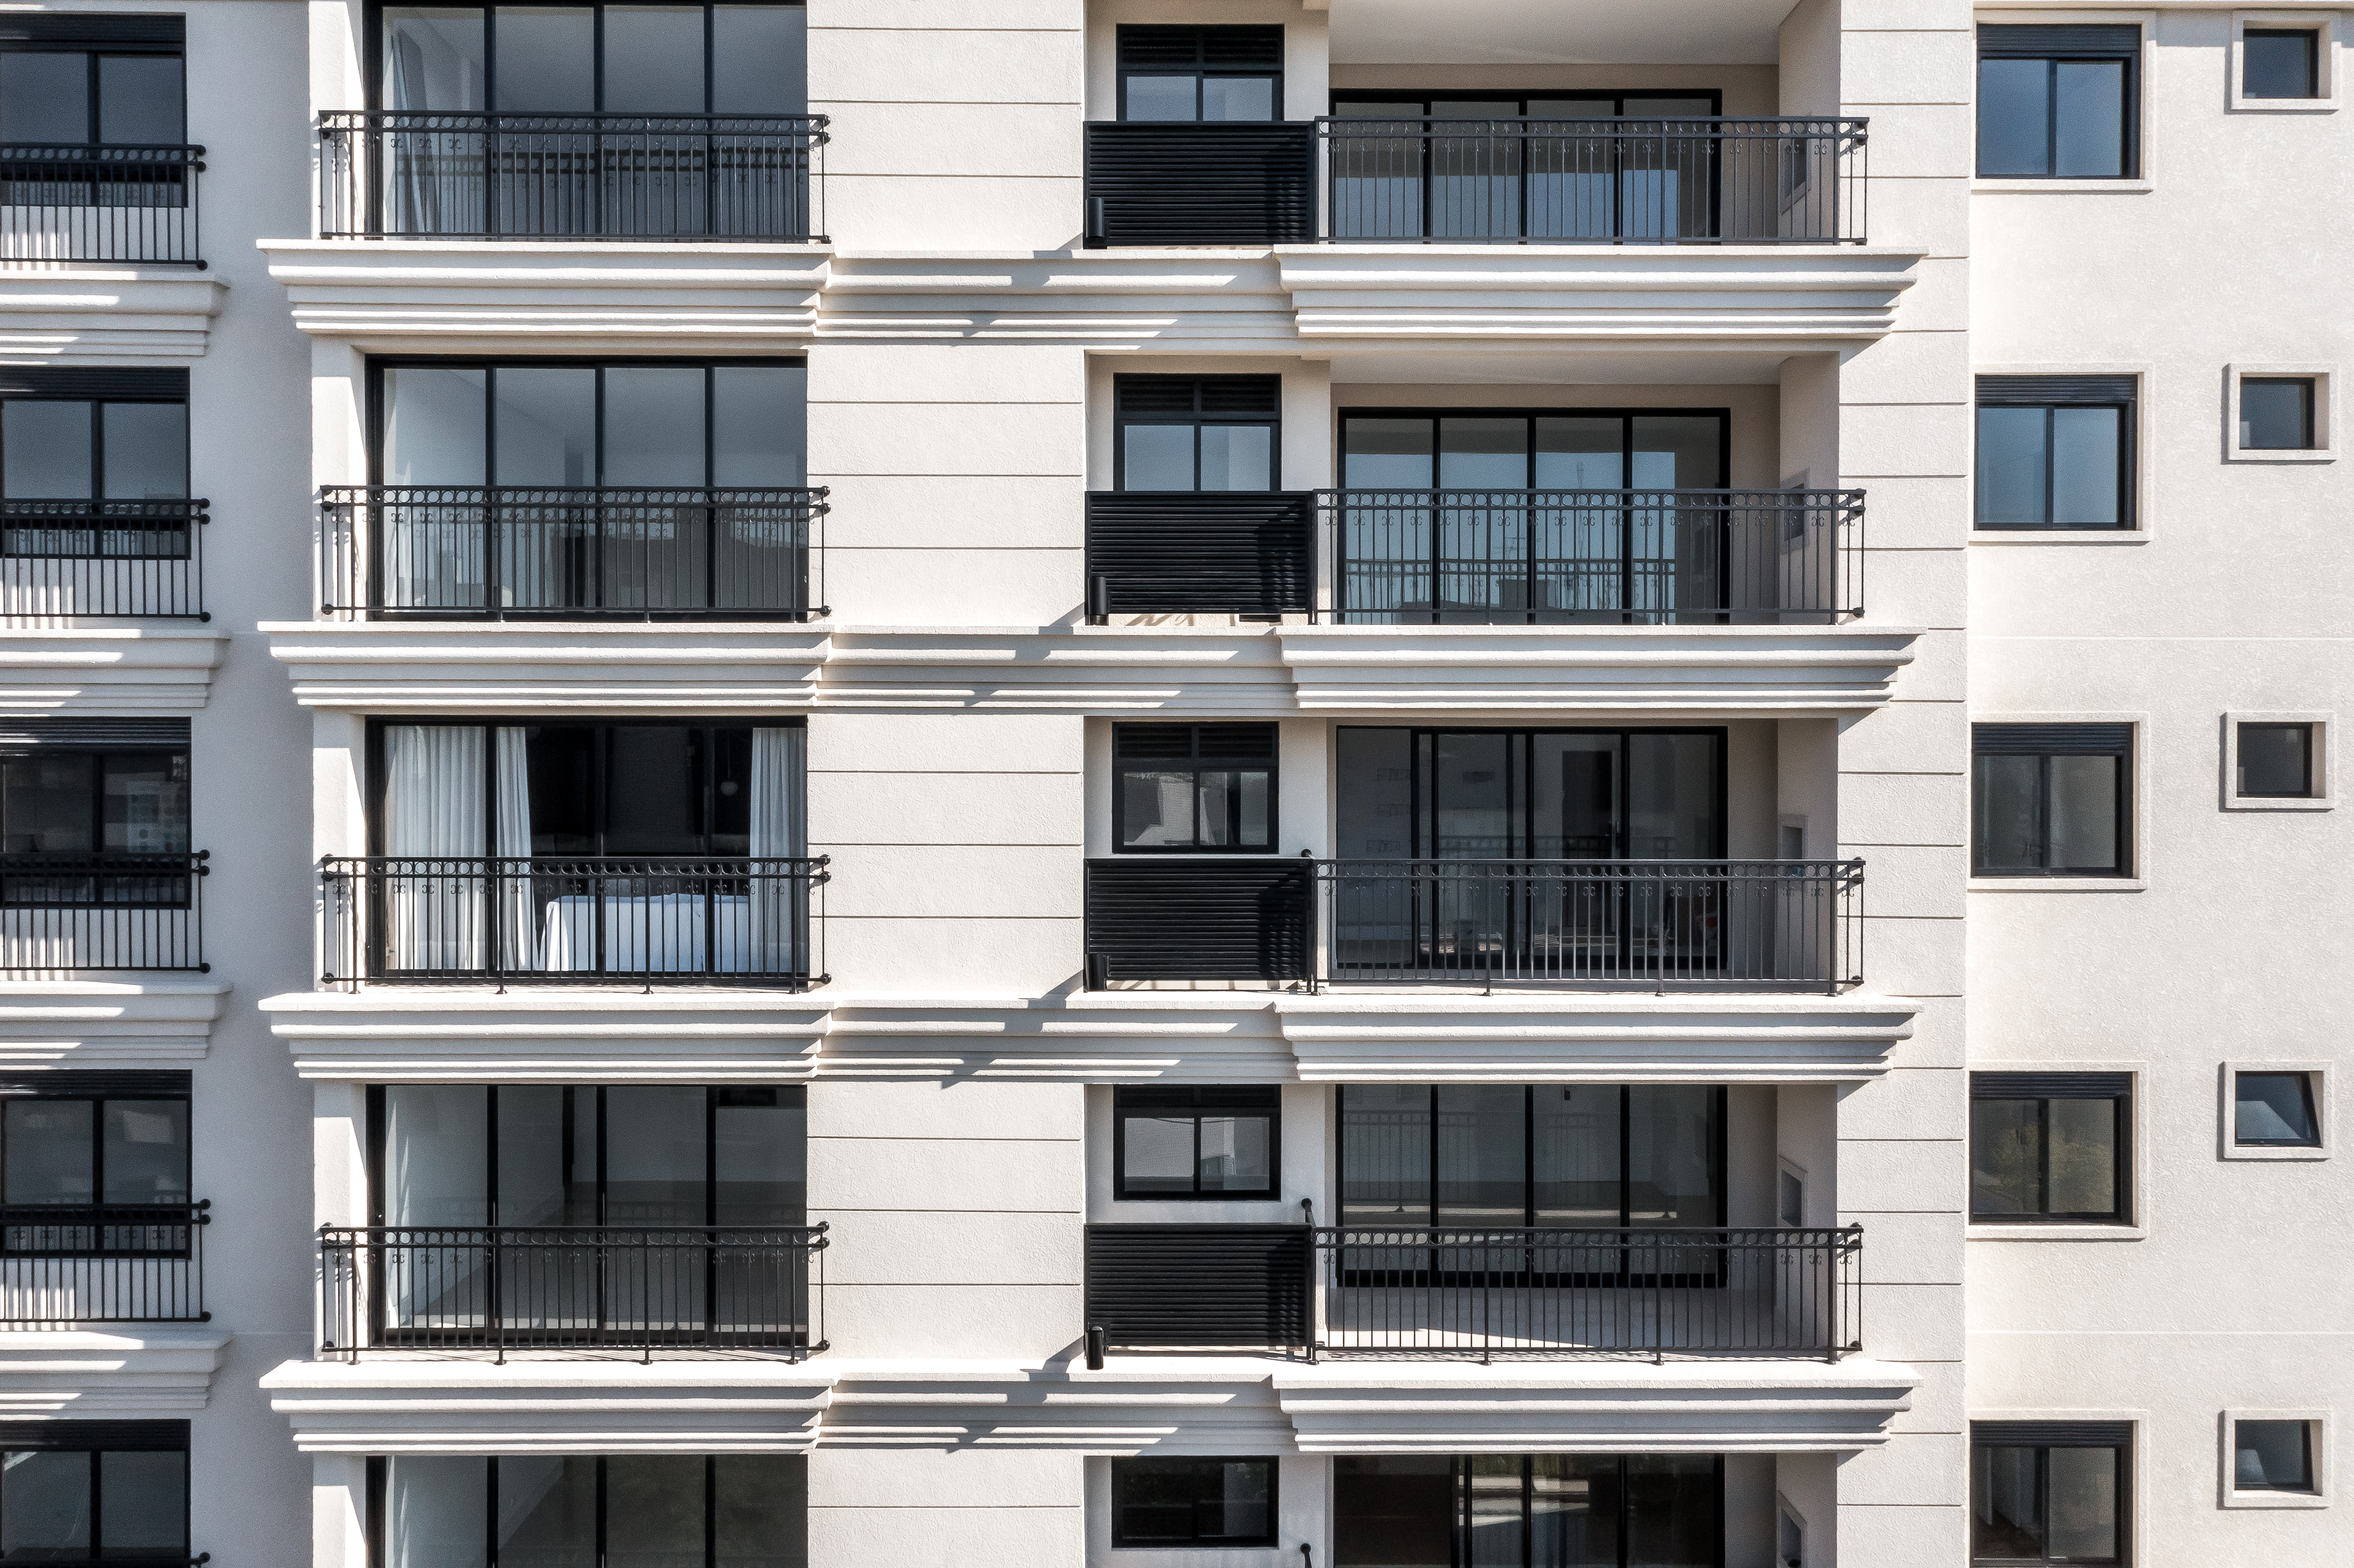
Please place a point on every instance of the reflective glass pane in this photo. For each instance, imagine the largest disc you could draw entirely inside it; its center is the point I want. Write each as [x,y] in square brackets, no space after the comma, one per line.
[1575,810]
[2083,1504]
[1671,1139]
[46,804]
[1157,457]
[1237,457]
[2006,1157]
[546,422]
[2088,119]
[1157,1153]
[2006,1504]
[1256,791]
[1672,1509]
[761,1155]
[2083,813]
[437,1154]
[1235,96]
[1235,1154]
[145,1144]
[653,60]
[548,1156]
[1675,795]
[145,807]
[143,1508]
[759,60]
[2005,812]
[1160,98]
[1388,455]
[2274,1108]
[547,59]
[761,1506]
[139,101]
[1580,453]
[2275,414]
[1492,1507]
[1375,820]
[1156,809]
[45,447]
[2272,1455]
[2083,1155]
[433,58]
[1214,799]
[2275,760]
[654,1511]
[654,425]
[1482,453]
[435,1506]
[433,425]
[759,423]
[655,1156]
[1574,1510]
[44,96]
[49,1156]
[1679,452]
[2274,64]
[44,1505]
[547,1510]
[1384,1155]
[2087,445]
[146,449]
[1473,794]
[1578,1135]
[1482,1162]
[2014,464]
[2014,118]
[1393,1511]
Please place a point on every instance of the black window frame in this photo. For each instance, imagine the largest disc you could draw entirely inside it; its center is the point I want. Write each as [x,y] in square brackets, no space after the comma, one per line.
[1129,407]
[1198,761]
[2042,1088]
[379,1514]
[1461,1502]
[2046,742]
[96,37]
[100,388]
[2305,1425]
[1134,42]
[1625,415]
[1172,1102]
[1718,1156]
[1124,1469]
[2309,411]
[165,1236]
[715,1098]
[2309,729]
[2042,1436]
[27,888]
[2308,1090]
[2053,44]
[2312,38]
[97,1438]
[2050,394]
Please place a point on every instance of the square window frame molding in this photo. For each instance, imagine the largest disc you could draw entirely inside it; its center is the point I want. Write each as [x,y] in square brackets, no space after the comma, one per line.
[2137,1178]
[2324,23]
[2228,1147]
[2325,740]
[2137,883]
[2324,412]
[2231,1496]
[2144,474]
[2135,1465]
[2143,182]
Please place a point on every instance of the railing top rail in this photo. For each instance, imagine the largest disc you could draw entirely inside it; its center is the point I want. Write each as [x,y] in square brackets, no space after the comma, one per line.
[53,859]
[1518,862]
[197,1206]
[1602,124]
[133,151]
[559,119]
[348,495]
[102,507]
[504,1232]
[1778,498]
[1514,1234]
[723,864]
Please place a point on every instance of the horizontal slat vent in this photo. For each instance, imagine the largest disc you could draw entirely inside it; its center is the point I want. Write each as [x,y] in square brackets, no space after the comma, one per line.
[1212,1286]
[2050,1086]
[109,1436]
[152,385]
[118,31]
[1155,742]
[1214,552]
[2042,389]
[70,1085]
[18,736]
[1222,183]
[1167,919]
[1147,46]
[1227,394]
[2051,739]
[1197,1097]
[2017,41]
[2052,1434]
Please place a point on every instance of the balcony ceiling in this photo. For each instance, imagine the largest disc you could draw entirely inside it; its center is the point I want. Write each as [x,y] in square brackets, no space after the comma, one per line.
[1556,32]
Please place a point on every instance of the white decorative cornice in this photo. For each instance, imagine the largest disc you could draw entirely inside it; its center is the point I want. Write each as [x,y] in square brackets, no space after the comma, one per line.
[418,294]
[1201,299]
[77,1023]
[1218,1406]
[107,669]
[552,1033]
[114,1372]
[449,1402]
[1090,1037]
[100,314]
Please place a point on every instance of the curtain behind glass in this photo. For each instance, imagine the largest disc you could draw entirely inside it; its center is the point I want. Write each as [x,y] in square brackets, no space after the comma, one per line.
[433,816]
[518,907]
[434,1504]
[437,1177]
[778,909]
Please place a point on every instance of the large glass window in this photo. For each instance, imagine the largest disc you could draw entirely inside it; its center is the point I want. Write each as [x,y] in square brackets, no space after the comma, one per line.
[107,1152]
[85,458]
[77,80]
[1560,448]
[1216,73]
[1197,1503]
[2055,451]
[1196,1141]
[2050,1147]
[2048,1492]
[1201,788]
[2050,799]
[745,59]
[80,798]
[586,1510]
[91,1491]
[2057,103]
[1528,1510]
[1197,432]
[1559,1157]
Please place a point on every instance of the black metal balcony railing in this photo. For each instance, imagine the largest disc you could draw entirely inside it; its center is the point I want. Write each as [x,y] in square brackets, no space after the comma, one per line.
[1618,181]
[442,554]
[74,558]
[63,913]
[77,201]
[1512,180]
[408,175]
[682,920]
[102,1263]
[1461,1292]
[630,1287]
[1775,924]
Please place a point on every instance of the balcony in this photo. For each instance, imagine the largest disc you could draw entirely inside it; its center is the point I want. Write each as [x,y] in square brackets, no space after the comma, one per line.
[73,559]
[595,919]
[415,174]
[1762,924]
[67,1263]
[136,205]
[1517,180]
[1470,557]
[611,1288]
[1454,1294]
[391,552]
[77,912]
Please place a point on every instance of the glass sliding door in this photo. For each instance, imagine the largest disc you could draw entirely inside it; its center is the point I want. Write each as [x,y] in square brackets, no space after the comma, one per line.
[1528,1510]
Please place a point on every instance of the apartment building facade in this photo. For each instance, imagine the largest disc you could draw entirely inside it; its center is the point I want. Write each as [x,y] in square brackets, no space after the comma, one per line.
[1171,783]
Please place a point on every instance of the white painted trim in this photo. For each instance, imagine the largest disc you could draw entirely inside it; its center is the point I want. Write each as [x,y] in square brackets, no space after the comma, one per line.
[2325,23]
[2227,1475]
[85,1023]
[143,668]
[2325,762]
[2324,412]
[98,315]
[2228,1144]
[113,1371]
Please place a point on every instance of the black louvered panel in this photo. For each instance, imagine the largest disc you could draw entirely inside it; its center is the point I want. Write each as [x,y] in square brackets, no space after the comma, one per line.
[2051,739]
[1198,1096]
[1175,552]
[1155,394]
[1222,395]
[1208,1286]
[107,1436]
[74,1083]
[1223,182]
[2039,390]
[18,736]
[2037,42]
[1241,394]
[2050,1086]
[117,32]
[1235,742]
[1147,46]
[2052,1434]
[1166,917]
[152,384]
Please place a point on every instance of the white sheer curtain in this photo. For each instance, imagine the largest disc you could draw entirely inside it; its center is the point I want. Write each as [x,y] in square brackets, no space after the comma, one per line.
[779,831]
[434,818]
[518,910]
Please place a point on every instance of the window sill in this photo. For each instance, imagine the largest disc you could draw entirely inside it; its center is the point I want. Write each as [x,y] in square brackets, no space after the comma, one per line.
[1978,1232]
[2281,454]
[2057,885]
[2285,1151]
[2283,105]
[2065,187]
[2278,803]
[2274,1500]
[2059,536]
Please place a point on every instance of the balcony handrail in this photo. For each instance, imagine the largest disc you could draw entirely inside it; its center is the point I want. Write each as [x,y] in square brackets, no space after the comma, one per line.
[1453,1292]
[736,920]
[67,557]
[578,552]
[71,912]
[104,1263]
[567,175]
[51,208]
[614,1287]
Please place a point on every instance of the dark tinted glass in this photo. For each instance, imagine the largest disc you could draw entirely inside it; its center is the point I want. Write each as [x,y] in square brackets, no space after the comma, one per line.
[48,804]
[2275,760]
[547,1510]
[2046,815]
[2279,64]
[1385,1132]
[1178,1502]
[761,1509]
[46,448]
[2014,118]
[2275,413]
[2272,1455]
[139,101]
[50,1153]
[1392,1512]
[45,1506]
[145,1147]
[143,1505]
[654,1511]
[44,97]
[2046,1158]
[2275,1109]
[2088,119]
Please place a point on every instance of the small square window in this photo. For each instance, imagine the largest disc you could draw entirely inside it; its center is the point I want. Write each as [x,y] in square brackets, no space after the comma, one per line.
[2280,63]
[2277,413]
[2274,1110]
[2272,1455]
[1193,1502]
[2274,761]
